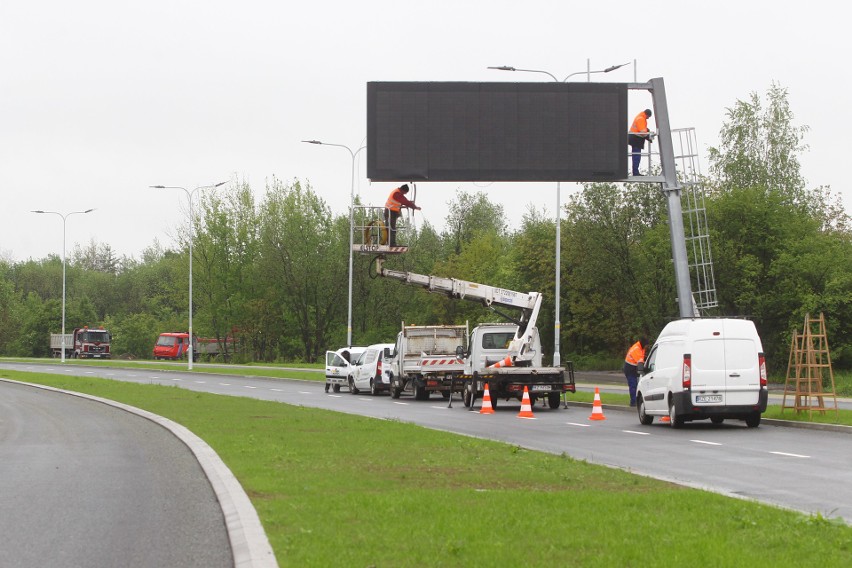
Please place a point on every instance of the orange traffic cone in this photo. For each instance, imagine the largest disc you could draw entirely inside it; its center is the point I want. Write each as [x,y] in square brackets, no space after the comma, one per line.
[597,408]
[486,402]
[526,407]
[506,362]
[665,418]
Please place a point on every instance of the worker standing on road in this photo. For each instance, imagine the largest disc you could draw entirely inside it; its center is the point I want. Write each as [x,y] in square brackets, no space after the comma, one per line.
[635,355]
[393,209]
[636,137]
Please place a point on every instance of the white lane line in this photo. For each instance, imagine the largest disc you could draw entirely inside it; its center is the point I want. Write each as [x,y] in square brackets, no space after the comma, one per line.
[201,382]
[439,407]
[335,396]
[402,403]
[578,424]
[303,392]
[90,372]
[637,433]
[224,384]
[277,390]
[249,387]
[706,442]
[790,455]
[177,379]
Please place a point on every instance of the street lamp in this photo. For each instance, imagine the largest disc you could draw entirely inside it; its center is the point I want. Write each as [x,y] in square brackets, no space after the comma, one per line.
[64,218]
[189,194]
[351,228]
[557,324]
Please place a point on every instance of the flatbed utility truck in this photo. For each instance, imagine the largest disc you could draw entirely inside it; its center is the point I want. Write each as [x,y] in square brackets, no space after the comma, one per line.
[506,356]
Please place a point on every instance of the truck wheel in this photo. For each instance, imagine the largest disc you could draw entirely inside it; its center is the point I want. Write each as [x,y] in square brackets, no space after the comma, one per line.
[553,400]
[335,388]
[644,418]
[373,389]
[395,392]
[420,392]
[753,420]
[352,389]
[466,398]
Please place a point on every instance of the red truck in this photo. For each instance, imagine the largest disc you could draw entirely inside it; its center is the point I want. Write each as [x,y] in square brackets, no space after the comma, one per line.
[84,343]
[174,346]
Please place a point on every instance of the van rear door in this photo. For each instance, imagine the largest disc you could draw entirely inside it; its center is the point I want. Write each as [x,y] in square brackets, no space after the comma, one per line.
[742,365]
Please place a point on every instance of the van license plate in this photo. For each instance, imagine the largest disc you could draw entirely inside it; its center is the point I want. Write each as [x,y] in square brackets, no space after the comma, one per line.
[541,387]
[699,398]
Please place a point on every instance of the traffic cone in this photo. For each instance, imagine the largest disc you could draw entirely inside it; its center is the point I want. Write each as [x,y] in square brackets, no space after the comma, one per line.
[506,362]
[526,407]
[597,408]
[665,419]
[486,402]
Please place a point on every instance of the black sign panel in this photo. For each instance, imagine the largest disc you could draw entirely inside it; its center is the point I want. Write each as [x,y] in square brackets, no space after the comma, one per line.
[496,131]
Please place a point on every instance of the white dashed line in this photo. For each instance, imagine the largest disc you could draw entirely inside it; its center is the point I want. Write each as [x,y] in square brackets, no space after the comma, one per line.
[637,433]
[578,424]
[249,387]
[224,384]
[201,382]
[335,396]
[177,379]
[277,390]
[790,455]
[303,392]
[706,443]
[402,403]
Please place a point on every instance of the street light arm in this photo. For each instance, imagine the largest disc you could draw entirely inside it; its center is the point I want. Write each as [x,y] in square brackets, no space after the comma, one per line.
[508,68]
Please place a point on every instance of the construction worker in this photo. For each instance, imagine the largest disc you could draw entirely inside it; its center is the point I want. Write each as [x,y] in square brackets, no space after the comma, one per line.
[636,137]
[393,209]
[635,355]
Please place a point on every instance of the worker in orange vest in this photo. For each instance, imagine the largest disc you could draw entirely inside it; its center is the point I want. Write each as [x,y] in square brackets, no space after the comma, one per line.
[636,137]
[635,355]
[393,209]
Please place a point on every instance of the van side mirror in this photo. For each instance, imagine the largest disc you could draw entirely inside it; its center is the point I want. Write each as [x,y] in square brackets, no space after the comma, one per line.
[388,352]
[460,352]
[640,367]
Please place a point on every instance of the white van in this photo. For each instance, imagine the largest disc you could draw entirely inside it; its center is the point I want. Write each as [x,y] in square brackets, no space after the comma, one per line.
[368,372]
[338,366]
[704,368]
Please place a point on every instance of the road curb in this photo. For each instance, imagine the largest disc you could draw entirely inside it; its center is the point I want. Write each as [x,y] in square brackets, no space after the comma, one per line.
[249,543]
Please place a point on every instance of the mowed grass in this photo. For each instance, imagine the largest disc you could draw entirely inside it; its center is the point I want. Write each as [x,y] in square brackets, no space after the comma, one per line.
[340,490]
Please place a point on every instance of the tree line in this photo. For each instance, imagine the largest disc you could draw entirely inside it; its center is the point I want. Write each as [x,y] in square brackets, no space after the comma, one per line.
[273,272]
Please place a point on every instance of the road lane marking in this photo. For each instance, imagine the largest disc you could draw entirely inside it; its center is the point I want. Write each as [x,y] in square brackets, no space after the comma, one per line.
[224,384]
[577,424]
[303,392]
[402,403]
[201,382]
[277,390]
[335,396]
[637,433]
[790,455]
[706,442]
[249,387]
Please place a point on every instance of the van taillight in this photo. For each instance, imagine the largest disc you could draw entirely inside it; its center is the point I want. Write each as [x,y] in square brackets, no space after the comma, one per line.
[761,365]
[379,367]
[687,371]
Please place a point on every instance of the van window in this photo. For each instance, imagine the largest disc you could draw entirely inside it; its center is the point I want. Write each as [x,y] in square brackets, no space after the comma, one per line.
[651,359]
[669,355]
[709,354]
[740,354]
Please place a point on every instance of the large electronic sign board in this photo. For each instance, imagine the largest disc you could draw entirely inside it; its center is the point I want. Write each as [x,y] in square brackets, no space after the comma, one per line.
[457,131]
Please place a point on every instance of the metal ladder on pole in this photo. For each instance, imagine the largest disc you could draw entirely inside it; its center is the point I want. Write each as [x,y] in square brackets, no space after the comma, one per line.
[695,220]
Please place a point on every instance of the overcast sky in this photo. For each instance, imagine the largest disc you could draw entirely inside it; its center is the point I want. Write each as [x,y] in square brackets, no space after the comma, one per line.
[100,99]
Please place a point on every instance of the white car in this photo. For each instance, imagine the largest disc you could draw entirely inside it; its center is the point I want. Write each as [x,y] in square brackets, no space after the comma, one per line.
[338,366]
[368,373]
[703,368]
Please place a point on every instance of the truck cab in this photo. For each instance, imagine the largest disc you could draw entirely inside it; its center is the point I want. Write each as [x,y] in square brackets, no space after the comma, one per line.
[174,346]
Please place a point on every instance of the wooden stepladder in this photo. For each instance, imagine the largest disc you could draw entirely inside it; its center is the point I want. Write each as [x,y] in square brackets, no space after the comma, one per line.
[810,379]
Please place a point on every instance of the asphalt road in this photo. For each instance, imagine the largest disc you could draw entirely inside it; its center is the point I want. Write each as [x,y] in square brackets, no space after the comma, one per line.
[805,470]
[86,484]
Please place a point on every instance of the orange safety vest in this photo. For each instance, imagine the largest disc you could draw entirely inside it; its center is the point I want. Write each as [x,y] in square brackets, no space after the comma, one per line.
[640,123]
[393,203]
[635,354]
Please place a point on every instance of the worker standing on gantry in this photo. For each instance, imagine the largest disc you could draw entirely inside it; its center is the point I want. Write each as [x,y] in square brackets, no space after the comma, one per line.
[393,209]
[636,137]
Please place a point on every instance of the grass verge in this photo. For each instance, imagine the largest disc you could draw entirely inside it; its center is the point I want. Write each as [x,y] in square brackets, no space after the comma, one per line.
[339,490]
